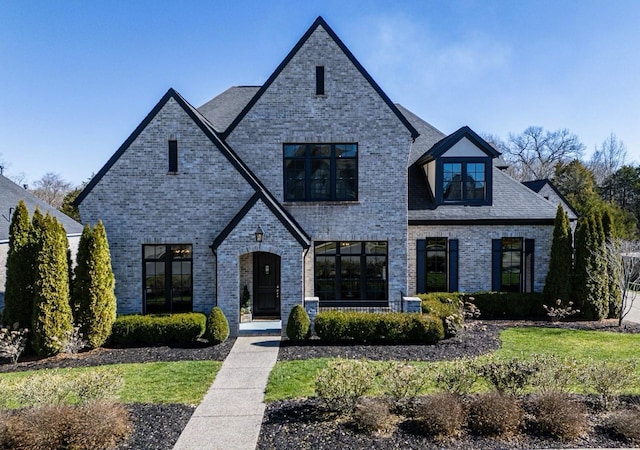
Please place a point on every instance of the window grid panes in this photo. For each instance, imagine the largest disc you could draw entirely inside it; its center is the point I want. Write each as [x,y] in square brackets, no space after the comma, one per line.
[320,172]
[436,264]
[347,272]
[464,181]
[511,267]
[168,281]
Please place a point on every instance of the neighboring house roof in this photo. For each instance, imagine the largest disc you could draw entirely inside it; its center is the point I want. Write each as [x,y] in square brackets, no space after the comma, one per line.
[538,185]
[445,144]
[10,196]
[429,135]
[319,22]
[513,203]
[221,110]
[207,128]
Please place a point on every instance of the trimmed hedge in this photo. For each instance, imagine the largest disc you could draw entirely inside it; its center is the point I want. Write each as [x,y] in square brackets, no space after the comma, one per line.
[332,326]
[154,329]
[509,305]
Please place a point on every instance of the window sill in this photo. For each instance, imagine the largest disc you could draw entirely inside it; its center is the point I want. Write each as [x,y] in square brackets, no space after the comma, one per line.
[172,173]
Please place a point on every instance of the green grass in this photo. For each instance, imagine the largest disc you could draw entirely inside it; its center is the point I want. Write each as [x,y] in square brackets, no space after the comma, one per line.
[295,379]
[157,382]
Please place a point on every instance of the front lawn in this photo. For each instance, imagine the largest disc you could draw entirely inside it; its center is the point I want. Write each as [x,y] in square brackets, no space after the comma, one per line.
[183,382]
[295,379]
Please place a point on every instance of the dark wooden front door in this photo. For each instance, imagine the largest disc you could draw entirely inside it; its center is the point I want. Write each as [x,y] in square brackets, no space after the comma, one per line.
[266,285]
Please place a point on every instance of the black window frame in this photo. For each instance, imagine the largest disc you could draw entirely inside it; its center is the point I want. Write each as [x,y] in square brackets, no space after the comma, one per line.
[320,80]
[366,290]
[466,197]
[173,156]
[307,161]
[525,255]
[432,274]
[168,283]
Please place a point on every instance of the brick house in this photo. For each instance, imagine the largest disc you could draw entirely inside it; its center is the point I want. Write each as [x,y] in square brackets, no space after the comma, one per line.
[312,187]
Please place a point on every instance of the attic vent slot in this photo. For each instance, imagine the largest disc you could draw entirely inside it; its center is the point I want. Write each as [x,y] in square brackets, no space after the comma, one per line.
[173,156]
[319,80]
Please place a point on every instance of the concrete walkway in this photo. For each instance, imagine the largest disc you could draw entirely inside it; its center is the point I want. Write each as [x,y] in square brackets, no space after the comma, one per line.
[230,415]
[634,313]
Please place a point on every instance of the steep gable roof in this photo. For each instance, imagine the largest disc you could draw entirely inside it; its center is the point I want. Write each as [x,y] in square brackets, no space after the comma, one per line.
[537,185]
[208,129]
[320,22]
[429,135]
[10,196]
[445,144]
[221,110]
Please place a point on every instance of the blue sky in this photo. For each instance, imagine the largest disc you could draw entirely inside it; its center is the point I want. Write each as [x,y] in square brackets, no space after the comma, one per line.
[79,76]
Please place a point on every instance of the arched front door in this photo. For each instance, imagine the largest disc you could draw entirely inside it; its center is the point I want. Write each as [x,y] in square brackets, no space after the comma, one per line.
[266,285]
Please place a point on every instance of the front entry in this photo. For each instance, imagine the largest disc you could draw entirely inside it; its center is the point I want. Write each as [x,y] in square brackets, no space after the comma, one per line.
[266,285]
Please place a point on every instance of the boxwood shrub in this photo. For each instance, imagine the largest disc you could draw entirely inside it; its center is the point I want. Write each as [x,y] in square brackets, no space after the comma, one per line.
[335,326]
[155,329]
[509,305]
[441,304]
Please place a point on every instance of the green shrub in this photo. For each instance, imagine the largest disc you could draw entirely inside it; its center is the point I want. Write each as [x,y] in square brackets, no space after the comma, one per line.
[558,415]
[456,377]
[441,304]
[608,379]
[335,326]
[298,325]
[372,414]
[510,305]
[555,374]
[217,330]
[441,415]
[138,329]
[342,383]
[403,381]
[509,376]
[495,414]
[87,427]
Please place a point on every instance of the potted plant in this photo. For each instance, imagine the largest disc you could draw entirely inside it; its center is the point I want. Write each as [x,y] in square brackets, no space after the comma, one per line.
[245,305]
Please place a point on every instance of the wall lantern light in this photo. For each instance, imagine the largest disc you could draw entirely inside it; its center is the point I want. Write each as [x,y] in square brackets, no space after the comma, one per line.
[259,234]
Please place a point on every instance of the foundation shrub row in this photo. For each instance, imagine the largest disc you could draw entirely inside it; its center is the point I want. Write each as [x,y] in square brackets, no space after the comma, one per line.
[493,305]
[158,329]
[484,396]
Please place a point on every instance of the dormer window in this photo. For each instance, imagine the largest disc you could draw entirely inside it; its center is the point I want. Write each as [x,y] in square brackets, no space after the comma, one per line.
[463,181]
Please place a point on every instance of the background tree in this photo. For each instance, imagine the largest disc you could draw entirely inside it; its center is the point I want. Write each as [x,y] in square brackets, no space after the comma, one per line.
[18,302]
[590,281]
[625,256]
[607,158]
[52,319]
[52,189]
[535,153]
[67,204]
[558,281]
[93,293]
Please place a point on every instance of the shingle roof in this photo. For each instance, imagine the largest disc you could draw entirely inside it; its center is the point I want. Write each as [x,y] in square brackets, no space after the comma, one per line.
[512,203]
[10,196]
[320,22]
[221,110]
[537,185]
[429,135]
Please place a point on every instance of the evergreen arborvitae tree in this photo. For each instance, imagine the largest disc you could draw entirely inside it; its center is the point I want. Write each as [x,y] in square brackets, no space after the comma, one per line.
[612,270]
[599,274]
[558,281]
[590,280]
[94,287]
[52,319]
[18,297]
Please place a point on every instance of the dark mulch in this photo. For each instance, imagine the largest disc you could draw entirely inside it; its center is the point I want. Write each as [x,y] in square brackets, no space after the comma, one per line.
[156,427]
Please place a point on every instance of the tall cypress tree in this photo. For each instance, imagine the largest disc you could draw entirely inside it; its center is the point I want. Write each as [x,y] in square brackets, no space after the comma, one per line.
[558,281]
[590,282]
[52,319]
[612,269]
[94,286]
[580,264]
[18,298]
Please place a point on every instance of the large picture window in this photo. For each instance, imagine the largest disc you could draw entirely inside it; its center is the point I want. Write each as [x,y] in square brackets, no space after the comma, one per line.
[351,273]
[464,181]
[320,172]
[168,284]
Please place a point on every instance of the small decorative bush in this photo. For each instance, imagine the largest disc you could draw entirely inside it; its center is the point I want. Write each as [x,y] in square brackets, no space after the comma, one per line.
[608,379]
[510,376]
[441,415]
[555,374]
[495,414]
[403,381]
[372,414]
[298,325]
[342,383]
[441,304]
[217,327]
[624,424]
[558,415]
[457,376]
[89,427]
[335,326]
[137,329]
[13,342]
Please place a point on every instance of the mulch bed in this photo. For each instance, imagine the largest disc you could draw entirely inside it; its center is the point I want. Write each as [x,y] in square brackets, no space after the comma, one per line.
[300,423]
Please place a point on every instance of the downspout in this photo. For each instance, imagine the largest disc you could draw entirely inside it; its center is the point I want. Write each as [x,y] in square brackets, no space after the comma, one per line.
[304,276]
[215,254]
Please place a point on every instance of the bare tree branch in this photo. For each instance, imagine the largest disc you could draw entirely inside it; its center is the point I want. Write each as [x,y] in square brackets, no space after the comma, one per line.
[624,256]
[52,189]
[607,158]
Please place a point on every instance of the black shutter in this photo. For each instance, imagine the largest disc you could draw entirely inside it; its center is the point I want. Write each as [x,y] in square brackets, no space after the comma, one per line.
[421,257]
[529,245]
[453,265]
[173,156]
[496,265]
[319,80]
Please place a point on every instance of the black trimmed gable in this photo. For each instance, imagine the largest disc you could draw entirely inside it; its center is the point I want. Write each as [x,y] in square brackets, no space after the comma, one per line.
[441,147]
